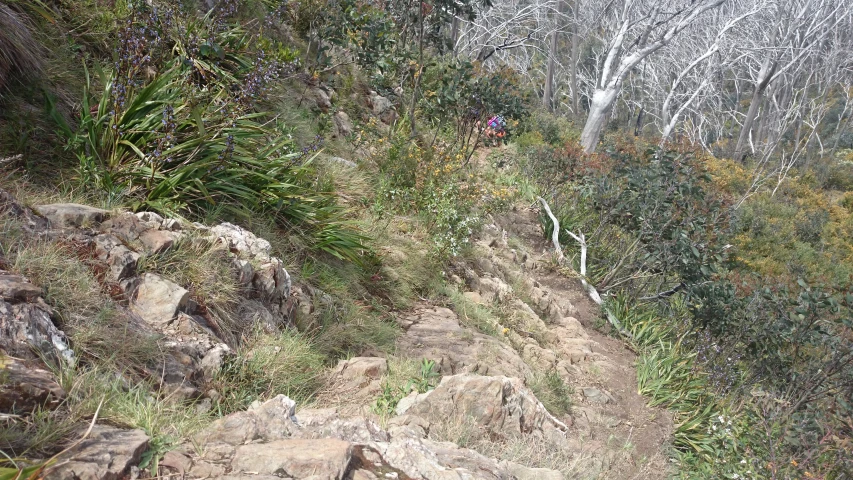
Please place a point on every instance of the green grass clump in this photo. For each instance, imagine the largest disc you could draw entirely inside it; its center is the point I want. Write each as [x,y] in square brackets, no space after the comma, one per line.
[267,365]
[550,388]
[122,403]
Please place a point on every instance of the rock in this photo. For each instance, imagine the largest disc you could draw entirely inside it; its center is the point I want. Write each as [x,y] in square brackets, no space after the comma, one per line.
[595,395]
[26,326]
[343,124]
[213,360]
[272,420]
[127,226]
[343,161]
[15,288]
[499,404]
[383,108]
[150,218]
[242,241]
[157,241]
[107,454]
[493,289]
[362,367]
[272,282]
[25,387]
[253,312]
[25,217]
[176,461]
[321,99]
[158,300]
[520,472]
[172,225]
[63,215]
[121,260]
[326,459]
[434,333]
[474,297]
[245,271]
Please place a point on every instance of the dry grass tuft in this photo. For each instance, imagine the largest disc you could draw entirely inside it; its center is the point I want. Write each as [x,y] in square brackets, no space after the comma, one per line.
[20,53]
[94,323]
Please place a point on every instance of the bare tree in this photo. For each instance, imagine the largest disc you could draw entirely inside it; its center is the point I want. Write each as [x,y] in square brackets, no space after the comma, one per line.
[640,30]
[795,29]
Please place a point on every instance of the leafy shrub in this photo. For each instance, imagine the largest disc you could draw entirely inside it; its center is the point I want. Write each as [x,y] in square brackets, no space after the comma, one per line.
[461,97]
[840,176]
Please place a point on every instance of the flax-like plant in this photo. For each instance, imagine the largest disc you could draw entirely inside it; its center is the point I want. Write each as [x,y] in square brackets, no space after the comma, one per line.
[167,148]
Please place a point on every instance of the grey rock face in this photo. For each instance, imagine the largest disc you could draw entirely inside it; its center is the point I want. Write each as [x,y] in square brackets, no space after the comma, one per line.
[107,454]
[158,300]
[64,215]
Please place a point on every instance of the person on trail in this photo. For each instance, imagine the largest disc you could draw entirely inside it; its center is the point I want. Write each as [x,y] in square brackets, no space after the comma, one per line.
[495,129]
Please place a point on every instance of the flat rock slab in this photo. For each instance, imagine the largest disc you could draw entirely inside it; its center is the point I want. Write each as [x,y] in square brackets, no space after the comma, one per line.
[323,459]
[499,404]
[107,454]
[63,215]
[434,333]
[15,288]
[361,367]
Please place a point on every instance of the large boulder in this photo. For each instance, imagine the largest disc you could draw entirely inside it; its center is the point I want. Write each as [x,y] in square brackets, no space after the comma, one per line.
[65,215]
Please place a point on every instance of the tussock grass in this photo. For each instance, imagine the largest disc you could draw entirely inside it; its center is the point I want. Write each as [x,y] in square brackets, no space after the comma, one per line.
[550,388]
[267,365]
[205,269]
[124,404]
[471,314]
[95,325]
[20,53]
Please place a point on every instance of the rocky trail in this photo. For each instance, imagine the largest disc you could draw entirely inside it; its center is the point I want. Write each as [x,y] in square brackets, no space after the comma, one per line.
[481,421]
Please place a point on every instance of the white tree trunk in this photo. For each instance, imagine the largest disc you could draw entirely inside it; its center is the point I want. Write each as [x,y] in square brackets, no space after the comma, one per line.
[599,108]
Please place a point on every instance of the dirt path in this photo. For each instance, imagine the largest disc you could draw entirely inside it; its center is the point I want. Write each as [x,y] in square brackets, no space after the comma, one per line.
[625,426]
[516,316]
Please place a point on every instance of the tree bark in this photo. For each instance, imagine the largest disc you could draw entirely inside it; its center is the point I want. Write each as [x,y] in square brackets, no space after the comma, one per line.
[574,65]
[548,90]
[599,108]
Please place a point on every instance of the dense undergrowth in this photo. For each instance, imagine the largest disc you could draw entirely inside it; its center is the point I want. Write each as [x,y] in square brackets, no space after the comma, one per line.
[740,309]
[737,299]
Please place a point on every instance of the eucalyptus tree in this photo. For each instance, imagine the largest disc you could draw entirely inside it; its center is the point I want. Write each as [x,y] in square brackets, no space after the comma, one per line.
[787,35]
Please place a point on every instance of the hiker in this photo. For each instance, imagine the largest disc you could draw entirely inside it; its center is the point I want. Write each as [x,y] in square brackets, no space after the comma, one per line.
[495,130]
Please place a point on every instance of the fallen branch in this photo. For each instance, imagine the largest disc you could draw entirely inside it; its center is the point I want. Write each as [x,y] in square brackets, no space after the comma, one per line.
[555,234]
[672,291]
[593,293]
